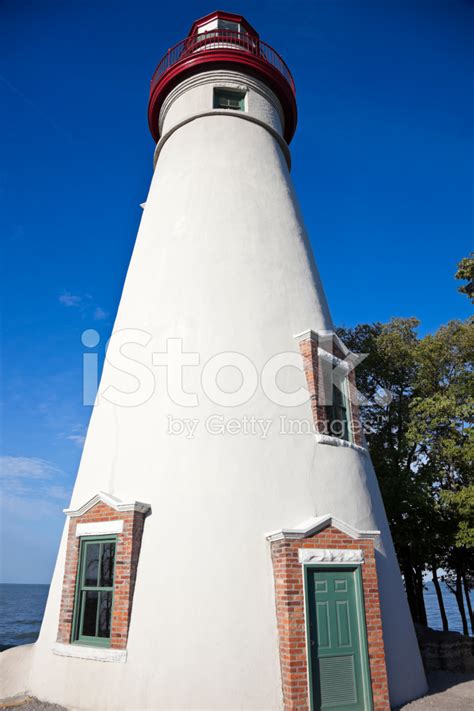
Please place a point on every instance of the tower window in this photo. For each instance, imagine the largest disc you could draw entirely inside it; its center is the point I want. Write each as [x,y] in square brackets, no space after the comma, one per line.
[337,414]
[95,591]
[229,99]
[228,25]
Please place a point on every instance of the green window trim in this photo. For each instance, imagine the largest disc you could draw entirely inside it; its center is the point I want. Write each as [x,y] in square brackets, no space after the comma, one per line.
[229,99]
[94,594]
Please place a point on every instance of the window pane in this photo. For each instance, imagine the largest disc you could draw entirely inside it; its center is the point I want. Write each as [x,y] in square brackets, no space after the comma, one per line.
[337,396]
[107,565]
[91,564]
[105,612]
[228,25]
[90,613]
[337,414]
[338,427]
[229,99]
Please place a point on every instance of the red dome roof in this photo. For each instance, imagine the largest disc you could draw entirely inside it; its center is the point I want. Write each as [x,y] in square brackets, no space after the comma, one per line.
[232,42]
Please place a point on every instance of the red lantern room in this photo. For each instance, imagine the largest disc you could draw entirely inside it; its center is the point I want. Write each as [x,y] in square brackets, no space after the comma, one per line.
[218,40]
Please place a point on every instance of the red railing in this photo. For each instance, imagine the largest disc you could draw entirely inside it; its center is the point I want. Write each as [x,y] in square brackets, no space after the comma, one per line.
[219,40]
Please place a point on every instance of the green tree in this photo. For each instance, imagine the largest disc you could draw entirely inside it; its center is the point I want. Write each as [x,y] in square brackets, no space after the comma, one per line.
[442,426]
[386,379]
[465,272]
[459,559]
[417,399]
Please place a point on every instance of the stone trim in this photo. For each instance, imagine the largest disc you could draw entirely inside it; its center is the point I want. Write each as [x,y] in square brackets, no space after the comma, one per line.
[316,524]
[290,611]
[323,334]
[338,442]
[96,654]
[100,515]
[99,528]
[331,358]
[111,501]
[330,555]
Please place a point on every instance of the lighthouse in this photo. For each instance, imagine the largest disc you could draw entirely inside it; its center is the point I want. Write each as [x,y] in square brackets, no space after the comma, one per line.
[226,544]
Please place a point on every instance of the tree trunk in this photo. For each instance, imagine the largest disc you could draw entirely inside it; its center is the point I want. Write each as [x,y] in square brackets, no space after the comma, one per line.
[460,601]
[439,595]
[420,597]
[410,589]
[468,602]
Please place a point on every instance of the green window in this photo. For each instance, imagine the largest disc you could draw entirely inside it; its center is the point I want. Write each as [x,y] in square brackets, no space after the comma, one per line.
[337,414]
[94,591]
[229,99]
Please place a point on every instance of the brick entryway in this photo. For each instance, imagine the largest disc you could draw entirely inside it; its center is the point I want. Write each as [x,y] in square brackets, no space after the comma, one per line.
[321,544]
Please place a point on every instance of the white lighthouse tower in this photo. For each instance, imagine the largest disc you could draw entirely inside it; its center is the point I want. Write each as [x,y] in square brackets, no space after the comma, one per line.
[226,545]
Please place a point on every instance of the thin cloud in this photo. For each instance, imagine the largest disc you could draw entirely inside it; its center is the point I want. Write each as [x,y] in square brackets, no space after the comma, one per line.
[76,435]
[100,314]
[84,303]
[68,299]
[77,439]
[32,486]
[26,467]
[31,508]
[58,492]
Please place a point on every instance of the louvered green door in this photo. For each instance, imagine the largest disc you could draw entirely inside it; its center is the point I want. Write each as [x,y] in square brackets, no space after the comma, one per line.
[338,662]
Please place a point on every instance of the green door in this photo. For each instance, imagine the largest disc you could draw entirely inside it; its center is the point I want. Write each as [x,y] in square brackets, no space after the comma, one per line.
[336,640]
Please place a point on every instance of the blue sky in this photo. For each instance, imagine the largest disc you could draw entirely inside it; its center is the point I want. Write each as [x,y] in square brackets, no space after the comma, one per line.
[382,162]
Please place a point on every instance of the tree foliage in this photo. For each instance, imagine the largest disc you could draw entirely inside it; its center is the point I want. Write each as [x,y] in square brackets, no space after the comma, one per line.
[418,415]
[465,272]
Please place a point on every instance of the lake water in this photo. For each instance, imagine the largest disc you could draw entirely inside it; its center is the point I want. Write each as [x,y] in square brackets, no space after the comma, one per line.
[21,613]
[22,609]
[452,610]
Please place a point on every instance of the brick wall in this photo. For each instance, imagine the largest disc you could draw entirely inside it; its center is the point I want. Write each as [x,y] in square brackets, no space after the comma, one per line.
[126,562]
[311,363]
[289,594]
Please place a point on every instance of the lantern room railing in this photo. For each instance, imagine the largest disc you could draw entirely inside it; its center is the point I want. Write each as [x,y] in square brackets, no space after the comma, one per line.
[221,40]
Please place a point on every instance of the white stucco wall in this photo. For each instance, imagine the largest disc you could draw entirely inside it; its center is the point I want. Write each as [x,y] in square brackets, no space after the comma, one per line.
[195,95]
[221,261]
